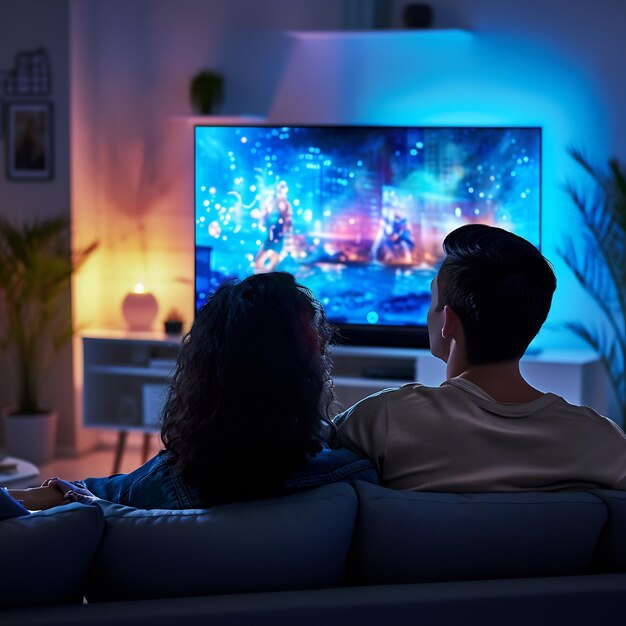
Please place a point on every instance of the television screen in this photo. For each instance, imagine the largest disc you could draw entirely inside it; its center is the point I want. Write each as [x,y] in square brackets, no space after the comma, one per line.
[357,214]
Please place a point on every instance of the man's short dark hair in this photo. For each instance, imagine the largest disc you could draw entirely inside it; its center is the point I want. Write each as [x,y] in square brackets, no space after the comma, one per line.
[501,288]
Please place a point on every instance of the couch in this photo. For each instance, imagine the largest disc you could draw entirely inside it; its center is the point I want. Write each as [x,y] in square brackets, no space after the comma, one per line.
[338,554]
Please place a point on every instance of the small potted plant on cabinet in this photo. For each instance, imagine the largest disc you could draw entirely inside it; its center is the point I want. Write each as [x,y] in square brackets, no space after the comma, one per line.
[36,266]
[173,324]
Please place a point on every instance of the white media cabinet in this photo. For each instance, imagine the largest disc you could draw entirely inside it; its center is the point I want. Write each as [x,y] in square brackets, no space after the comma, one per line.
[125,376]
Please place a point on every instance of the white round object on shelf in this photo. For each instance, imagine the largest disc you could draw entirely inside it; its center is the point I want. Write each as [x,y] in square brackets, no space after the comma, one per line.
[140,310]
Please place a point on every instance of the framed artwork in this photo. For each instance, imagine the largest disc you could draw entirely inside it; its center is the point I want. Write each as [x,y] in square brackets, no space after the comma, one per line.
[28,140]
[30,75]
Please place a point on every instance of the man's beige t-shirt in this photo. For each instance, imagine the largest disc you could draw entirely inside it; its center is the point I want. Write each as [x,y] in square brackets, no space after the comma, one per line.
[456,438]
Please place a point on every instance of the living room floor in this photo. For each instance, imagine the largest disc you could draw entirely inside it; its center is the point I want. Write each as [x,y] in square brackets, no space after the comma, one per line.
[98,462]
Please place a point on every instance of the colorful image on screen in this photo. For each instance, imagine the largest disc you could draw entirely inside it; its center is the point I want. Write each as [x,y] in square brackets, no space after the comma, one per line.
[357,214]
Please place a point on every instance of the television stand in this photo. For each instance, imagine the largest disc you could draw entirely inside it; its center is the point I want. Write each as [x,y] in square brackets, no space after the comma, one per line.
[576,375]
[120,448]
[126,374]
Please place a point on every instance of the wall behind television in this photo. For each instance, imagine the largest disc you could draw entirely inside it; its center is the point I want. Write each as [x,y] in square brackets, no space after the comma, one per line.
[511,63]
[26,25]
[131,62]
[121,72]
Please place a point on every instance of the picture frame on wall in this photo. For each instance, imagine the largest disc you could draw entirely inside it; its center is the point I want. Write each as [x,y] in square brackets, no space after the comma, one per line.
[29,140]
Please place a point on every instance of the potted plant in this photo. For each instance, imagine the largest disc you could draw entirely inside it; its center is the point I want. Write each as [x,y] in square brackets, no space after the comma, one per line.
[36,266]
[173,323]
[600,266]
[206,91]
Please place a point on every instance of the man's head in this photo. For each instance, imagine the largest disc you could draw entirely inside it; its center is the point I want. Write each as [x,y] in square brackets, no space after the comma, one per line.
[498,285]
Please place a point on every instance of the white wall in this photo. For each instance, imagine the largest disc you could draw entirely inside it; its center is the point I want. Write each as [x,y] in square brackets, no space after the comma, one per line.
[517,63]
[132,176]
[536,61]
[26,25]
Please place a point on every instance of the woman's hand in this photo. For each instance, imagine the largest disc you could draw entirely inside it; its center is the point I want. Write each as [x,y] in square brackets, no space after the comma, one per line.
[69,491]
[38,498]
[53,492]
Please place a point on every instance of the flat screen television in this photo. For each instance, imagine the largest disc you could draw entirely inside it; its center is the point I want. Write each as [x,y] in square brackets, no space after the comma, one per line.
[357,213]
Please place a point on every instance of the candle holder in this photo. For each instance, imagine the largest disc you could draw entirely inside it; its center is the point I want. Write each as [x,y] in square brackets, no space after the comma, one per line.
[140,309]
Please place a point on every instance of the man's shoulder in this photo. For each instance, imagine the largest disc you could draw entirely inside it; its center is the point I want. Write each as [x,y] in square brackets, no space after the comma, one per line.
[380,398]
[411,392]
[563,409]
[408,390]
[384,399]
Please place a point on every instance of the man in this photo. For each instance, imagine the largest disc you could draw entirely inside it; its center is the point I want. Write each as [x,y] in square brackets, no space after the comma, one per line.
[485,428]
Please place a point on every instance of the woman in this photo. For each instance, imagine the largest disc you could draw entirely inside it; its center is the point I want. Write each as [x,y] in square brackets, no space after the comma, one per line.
[248,411]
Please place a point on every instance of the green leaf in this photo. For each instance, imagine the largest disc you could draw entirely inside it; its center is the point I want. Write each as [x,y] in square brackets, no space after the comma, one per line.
[36,266]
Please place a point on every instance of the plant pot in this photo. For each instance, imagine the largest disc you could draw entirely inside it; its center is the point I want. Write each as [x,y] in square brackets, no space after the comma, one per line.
[30,437]
[173,327]
[206,91]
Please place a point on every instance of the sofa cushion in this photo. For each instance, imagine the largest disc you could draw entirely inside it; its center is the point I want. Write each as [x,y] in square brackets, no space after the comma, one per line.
[406,537]
[299,541]
[45,555]
[611,550]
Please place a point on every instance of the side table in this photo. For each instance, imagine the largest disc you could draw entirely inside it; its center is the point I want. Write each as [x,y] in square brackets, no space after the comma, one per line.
[24,475]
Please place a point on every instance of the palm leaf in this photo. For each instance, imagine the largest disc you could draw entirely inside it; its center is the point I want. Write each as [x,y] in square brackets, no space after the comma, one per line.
[609,351]
[36,266]
[601,267]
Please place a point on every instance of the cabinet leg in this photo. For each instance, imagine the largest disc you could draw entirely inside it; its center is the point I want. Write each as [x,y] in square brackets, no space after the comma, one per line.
[119,450]
[145,448]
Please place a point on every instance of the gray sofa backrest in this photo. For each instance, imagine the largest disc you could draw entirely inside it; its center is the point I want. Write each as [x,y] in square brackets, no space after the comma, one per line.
[45,556]
[299,541]
[326,537]
[610,554]
[407,537]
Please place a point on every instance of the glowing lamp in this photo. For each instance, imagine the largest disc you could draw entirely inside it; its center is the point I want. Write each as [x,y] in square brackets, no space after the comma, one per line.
[139,308]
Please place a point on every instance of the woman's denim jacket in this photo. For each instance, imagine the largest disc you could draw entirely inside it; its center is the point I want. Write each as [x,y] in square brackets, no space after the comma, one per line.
[157,485]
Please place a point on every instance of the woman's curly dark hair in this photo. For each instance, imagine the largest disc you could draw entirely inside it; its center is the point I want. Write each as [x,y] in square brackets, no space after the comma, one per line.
[251,394]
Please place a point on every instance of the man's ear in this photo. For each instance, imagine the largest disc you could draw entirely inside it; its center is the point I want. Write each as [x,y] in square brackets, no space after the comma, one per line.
[451,322]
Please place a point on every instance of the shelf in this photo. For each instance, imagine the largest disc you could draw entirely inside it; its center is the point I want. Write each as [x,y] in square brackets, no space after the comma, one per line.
[153,337]
[379,383]
[393,353]
[395,33]
[131,428]
[129,370]
[122,391]
[125,378]
[219,120]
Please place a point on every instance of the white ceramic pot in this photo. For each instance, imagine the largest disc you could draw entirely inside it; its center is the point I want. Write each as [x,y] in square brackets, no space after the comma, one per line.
[30,437]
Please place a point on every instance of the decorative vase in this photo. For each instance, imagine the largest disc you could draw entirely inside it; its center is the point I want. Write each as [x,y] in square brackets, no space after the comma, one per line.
[139,309]
[30,437]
